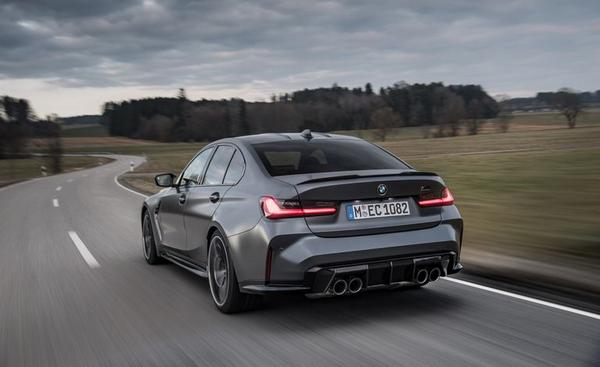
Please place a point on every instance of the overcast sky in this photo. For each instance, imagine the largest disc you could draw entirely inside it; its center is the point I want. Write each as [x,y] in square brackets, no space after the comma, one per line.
[68,56]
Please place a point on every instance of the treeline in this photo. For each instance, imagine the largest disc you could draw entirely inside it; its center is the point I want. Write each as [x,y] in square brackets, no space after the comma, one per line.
[445,109]
[18,124]
[79,120]
[548,100]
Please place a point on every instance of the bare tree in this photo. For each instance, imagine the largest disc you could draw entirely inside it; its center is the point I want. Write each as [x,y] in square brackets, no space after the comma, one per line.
[157,127]
[448,111]
[504,117]
[569,104]
[55,154]
[383,119]
[474,115]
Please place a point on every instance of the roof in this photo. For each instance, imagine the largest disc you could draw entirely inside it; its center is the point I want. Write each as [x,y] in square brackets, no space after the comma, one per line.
[274,137]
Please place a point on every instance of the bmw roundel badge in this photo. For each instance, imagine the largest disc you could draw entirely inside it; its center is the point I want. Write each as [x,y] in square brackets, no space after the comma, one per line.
[381,189]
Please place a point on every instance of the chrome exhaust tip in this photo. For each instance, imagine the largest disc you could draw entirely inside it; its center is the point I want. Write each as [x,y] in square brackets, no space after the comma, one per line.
[434,274]
[355,285]
[339,287]
[421,276]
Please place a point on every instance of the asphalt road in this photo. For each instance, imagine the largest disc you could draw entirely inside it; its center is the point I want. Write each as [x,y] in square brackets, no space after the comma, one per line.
[63,306]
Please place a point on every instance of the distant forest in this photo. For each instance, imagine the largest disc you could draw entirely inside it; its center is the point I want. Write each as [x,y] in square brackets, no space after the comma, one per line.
[446,108]
[547,100]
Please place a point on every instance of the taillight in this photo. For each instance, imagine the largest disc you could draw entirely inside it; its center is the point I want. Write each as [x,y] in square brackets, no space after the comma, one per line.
[277,209]
[446,199]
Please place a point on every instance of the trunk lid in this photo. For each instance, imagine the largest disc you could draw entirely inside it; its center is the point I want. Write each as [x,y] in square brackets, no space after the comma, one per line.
[345,189]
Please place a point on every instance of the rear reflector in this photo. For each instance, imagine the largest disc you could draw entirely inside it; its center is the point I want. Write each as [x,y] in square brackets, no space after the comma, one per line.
[275,209]
[268,265]
[446,199]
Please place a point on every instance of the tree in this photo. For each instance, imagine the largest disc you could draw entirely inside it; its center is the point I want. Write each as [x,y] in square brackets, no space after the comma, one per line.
[569,104]
[368,89]
[383,119]
[15,117]
[504,114]
[243,116]
[449,109]
[55,153]
[181,94]
[474,115]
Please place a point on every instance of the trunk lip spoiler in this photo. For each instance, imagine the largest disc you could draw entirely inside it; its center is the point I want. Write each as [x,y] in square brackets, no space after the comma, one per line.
[358,176]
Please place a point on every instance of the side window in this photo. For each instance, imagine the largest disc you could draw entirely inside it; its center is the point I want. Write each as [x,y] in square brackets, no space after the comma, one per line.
[218,165]
[235,170]
[193,172]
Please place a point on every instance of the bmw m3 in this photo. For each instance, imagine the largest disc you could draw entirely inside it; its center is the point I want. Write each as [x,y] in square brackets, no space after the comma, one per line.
[320,214]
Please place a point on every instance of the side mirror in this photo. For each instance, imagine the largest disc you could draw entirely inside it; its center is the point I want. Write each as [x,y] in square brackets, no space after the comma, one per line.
[164,180]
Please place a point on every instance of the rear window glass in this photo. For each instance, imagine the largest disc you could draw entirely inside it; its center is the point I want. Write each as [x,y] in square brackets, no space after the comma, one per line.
[300,157]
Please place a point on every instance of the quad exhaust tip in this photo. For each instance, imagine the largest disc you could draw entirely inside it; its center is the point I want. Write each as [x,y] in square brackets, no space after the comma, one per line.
[422,276]
[434,274]
[355,285]
[340,287]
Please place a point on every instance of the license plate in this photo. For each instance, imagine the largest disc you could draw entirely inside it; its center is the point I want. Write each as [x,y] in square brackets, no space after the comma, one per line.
[377,210]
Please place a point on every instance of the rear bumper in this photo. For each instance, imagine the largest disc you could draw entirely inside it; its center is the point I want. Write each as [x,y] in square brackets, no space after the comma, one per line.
[298,254]
[376,274]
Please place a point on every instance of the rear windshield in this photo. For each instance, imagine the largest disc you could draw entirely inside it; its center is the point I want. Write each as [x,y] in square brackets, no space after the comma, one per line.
[300,157]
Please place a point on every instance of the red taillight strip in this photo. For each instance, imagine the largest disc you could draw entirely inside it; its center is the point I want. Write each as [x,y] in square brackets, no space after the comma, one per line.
[273,210]
[446,199]
[319,211]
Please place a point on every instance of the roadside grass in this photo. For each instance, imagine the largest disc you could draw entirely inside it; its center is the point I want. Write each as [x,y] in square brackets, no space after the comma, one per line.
[544,204]
[15,170]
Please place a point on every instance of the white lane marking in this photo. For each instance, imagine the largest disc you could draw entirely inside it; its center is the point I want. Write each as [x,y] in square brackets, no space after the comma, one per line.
[128,189]
[525,298]
[59,188]
[85,253]
[55,203]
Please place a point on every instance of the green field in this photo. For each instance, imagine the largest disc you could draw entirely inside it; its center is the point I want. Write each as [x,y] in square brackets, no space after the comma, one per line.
[546,202]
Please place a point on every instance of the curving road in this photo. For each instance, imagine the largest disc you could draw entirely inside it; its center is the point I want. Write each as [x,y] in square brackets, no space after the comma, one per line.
[75,291]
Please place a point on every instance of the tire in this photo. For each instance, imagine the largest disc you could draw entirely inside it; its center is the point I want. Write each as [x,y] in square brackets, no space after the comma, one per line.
[224,286]
[148,243]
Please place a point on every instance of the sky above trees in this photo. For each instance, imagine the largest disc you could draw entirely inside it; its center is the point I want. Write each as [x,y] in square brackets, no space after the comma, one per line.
[68,56]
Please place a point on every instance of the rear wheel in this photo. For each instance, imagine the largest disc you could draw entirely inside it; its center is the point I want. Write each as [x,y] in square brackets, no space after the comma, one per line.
[224,286]
[149,245]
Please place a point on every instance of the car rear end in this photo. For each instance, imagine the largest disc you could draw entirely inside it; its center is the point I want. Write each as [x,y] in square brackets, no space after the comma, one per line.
[359,219]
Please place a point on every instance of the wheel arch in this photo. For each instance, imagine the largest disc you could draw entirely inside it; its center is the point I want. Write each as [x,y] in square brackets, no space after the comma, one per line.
[143,212]
[212,228]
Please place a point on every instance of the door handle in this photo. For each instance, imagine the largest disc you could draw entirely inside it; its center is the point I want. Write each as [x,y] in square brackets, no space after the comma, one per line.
[182,198]
[214,197]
